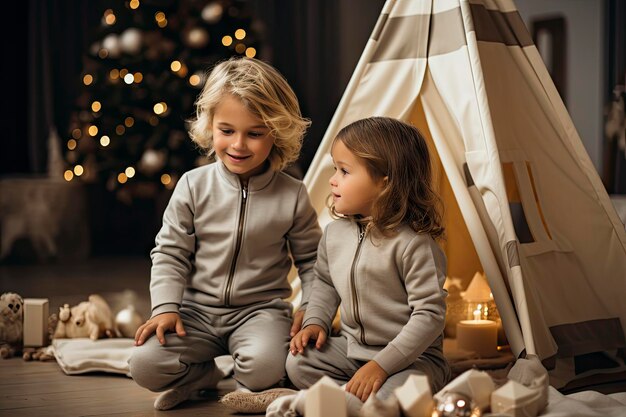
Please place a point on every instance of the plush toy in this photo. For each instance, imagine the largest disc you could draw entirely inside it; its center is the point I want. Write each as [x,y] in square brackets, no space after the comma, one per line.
[11,324]
[44,353]
[91,319]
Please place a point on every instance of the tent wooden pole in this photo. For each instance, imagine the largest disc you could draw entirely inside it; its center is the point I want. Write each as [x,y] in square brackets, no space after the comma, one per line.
[515,279]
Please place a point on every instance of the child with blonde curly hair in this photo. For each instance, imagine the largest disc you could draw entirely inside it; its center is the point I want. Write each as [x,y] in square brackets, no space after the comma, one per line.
[230,233]
[380,264]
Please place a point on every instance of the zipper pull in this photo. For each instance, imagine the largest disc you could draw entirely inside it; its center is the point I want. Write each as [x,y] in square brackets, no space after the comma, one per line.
[244,188]
[361,233]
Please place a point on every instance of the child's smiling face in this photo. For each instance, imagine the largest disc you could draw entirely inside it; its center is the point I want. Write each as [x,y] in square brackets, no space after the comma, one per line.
[353,188]
[240,139]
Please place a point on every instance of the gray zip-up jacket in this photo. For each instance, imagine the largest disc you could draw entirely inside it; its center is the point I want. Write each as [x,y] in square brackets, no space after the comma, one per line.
[225,245]
[390,293]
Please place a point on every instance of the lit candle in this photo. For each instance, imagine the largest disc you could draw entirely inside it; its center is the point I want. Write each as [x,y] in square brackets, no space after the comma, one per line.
[476,313]
[478,336]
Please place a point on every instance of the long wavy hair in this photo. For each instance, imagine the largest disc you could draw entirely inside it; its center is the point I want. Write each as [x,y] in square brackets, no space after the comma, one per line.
[396,150]
[266,93]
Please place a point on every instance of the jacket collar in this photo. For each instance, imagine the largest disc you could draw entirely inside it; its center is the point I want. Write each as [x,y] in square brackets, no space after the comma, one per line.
[255,183]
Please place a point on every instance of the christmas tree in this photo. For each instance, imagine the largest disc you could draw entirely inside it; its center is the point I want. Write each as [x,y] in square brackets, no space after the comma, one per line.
[144,69]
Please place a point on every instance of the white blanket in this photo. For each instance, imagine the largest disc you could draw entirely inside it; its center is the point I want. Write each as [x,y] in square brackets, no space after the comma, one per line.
[83,355]
[585,404]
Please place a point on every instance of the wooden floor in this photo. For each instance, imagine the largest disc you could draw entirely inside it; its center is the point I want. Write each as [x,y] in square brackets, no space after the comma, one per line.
[41,388]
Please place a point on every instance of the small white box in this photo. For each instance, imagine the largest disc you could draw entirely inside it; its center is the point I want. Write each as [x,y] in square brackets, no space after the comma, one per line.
[325,398]
[36,322]
[516,400]
[415,397]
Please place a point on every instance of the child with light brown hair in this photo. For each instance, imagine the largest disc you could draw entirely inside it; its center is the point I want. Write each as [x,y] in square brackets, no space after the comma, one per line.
[379,262]
[230,233]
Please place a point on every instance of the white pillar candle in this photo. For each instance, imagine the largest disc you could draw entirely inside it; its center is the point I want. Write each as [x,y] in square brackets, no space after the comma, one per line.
[478,336]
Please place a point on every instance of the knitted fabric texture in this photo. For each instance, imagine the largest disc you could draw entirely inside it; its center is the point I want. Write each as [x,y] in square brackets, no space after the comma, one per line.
[253,402]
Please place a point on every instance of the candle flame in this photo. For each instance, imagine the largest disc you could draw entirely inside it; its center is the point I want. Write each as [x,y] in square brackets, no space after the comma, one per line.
[477,312]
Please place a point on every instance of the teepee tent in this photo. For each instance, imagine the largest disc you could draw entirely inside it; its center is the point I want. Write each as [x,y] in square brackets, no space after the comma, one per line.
[523,201]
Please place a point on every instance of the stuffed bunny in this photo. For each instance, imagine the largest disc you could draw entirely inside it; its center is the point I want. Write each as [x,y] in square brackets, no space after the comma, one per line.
[91,319]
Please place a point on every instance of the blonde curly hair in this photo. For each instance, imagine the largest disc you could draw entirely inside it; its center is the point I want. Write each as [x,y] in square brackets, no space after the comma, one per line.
[266,93]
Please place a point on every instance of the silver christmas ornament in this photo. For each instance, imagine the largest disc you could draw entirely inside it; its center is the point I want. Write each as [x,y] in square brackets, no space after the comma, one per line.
[130,41]
[454,404]
[212,13]
[197,38]
[152,161]
[112,44]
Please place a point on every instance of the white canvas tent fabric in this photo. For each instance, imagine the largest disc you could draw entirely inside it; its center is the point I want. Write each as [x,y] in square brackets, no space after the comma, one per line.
[537,218]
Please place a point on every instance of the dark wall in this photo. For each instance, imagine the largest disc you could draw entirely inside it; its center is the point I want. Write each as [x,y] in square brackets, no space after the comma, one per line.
[13,107]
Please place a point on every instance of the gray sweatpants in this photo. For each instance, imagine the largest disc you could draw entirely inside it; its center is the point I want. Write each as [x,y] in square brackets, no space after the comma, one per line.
[332,360]
[256,336]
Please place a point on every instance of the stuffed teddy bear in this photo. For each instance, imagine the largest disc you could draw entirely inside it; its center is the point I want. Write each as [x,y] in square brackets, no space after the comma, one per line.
[11,324]
[92,319]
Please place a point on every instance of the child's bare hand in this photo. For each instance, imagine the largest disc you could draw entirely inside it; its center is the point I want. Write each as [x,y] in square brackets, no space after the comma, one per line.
[300,340]
[297,323]
[367,380]
[159,325]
